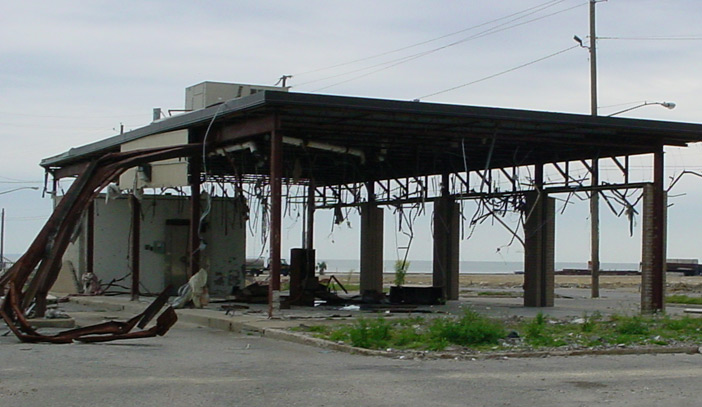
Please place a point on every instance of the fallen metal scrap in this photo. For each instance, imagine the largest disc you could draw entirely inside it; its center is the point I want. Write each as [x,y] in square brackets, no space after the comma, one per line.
[23,285]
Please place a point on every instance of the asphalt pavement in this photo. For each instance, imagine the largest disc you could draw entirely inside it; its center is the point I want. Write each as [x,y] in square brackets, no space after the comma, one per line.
[199,366]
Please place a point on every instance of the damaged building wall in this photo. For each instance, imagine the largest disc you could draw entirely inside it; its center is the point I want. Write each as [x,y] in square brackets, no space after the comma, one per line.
[164,239]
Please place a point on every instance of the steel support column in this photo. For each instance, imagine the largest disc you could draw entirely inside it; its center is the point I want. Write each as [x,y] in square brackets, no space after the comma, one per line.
[276,181]
[134,246]
[309,228]
[195,209]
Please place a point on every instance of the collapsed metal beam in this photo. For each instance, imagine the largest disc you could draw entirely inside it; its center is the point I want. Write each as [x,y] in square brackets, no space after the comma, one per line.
[22,284]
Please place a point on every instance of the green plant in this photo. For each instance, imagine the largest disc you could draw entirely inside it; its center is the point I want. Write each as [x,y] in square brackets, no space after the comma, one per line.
[683,299]
[322,267]
[472,329]
[370,333]
[635,325]
[401,267]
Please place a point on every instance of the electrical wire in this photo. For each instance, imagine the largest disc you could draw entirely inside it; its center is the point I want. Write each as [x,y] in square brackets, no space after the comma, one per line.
[668,38]
[398,61]
[500,73]
[543,6]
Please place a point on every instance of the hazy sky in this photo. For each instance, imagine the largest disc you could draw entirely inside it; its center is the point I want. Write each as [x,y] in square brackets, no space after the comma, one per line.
[71,72]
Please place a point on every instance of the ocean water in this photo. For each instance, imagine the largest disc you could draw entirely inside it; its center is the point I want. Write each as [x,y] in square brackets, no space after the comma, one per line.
[467,267]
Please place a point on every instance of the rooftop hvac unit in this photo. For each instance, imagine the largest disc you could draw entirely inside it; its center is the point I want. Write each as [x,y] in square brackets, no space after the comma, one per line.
[206,94]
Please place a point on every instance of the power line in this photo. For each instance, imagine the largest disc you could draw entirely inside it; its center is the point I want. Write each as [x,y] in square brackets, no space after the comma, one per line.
[542,6]
[398,61]
[674,38]
[501,73]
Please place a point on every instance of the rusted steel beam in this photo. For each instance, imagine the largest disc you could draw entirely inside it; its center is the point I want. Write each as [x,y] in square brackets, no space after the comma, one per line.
[309,227]
[276,169]
[48,247]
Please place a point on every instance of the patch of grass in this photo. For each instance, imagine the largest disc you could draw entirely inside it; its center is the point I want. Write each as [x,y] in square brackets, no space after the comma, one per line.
[539,333]
[635,325]
[370,333]
[472,329]
[683,299]
[477,332]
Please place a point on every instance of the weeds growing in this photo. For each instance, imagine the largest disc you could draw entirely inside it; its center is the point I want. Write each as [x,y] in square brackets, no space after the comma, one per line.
[474,331]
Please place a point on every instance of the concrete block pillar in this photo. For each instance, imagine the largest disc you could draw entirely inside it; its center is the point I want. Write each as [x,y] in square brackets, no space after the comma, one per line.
[446,247]
[653,251]
[539,250]
[371,248]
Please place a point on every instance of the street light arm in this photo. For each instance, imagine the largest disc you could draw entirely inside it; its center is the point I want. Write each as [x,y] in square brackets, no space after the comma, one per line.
[17,189]
[667,105]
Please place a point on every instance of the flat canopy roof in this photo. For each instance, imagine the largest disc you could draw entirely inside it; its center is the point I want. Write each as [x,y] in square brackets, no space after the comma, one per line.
[395,139]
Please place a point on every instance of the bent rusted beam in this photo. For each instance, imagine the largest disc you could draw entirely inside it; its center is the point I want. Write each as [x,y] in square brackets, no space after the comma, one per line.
[50,244]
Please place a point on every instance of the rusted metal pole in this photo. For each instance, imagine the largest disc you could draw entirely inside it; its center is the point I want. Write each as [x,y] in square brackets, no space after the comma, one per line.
[134,254]
[309,235]
[90,240]
[195,208]
[595,232]
[276,176]
[659,240]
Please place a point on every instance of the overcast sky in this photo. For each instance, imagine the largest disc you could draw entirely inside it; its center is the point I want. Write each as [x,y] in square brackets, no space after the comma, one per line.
[71,72]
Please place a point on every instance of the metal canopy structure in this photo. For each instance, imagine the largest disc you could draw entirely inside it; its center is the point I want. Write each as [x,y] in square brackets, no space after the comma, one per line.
[363,152]
[407,139]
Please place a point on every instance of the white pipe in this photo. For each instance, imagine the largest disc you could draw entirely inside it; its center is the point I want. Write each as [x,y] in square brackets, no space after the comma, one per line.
[325,146]
[236,147]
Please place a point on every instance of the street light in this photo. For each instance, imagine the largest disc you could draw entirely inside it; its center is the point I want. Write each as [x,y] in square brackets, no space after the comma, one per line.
[667,105]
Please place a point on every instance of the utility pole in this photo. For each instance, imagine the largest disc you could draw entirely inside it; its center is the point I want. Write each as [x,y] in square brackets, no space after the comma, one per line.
[594,195]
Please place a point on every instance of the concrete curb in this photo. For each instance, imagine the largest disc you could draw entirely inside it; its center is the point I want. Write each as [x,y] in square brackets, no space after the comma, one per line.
[216,320]
[303,339]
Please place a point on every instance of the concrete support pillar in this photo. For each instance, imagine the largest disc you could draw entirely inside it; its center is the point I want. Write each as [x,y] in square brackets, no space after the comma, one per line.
[446,247]
[371,248]
[539,250]
[135,246]
[653,253]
